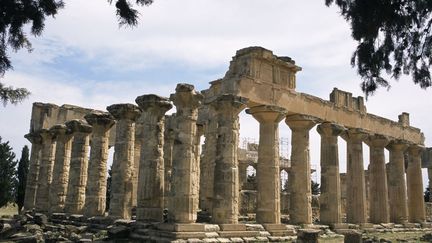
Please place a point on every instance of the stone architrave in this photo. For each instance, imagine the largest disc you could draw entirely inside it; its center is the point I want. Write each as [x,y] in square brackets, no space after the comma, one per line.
[356,187]
[396,183]
[225,203]
[268,172]
[208,161]
[299,185]
[59,185]
[330,198]
[33,174]
[183,202]
[75,196]
[416,207]
[150,199]
[123,163]
[45,171]
[168,154]
[95,194]
[378,190]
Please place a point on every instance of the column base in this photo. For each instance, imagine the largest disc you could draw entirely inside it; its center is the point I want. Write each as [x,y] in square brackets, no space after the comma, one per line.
[179,227]
[279,230]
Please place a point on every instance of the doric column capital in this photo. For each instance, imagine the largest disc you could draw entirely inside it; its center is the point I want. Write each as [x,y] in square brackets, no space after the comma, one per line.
[46,134]
[154,104]
[377,140]
[354,134]
[186,97]
[301,122]
[327,129]
[78,126]
[124,111]
[230,105]
[398,145]
[267,113]
[415,150]
[34,137]
[61,131]
[102,119]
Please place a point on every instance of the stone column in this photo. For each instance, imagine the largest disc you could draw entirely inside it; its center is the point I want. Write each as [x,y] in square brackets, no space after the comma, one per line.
[58,190]
[378,190]
[356,187]
[185,183]
[75,197]
[330,198]
[208,161]
[123,164]
[150,199]
[197,152]
[396,183]
[299,184]
[45,171]
[416,207]
[139,133]
[168,154]
[429,170]
[225,208]
[95,193]
[268,172]
[33,173]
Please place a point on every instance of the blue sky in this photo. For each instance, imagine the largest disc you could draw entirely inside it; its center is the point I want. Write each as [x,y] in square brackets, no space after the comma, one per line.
[84,58]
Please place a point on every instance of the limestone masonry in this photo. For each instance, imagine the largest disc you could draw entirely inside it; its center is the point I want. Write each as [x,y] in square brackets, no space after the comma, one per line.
[162,172]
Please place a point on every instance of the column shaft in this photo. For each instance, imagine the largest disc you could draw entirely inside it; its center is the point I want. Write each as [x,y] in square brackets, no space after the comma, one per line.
[122,184]
[60,181]
[416,207]
[33,174]
[378,200]
[225,208]
[185,186]
[397,184]
[330,198]
[150,198]
[75,197]
[299,177]
[45,171]
[95,194]
[356,189]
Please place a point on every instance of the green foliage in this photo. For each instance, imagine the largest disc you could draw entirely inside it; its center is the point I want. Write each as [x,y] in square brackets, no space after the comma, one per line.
[7,174]
[14,96]
[315,188]
[23,167]
[393,36]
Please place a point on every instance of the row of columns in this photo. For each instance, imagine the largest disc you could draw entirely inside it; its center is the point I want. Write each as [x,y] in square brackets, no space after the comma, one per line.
[174,180]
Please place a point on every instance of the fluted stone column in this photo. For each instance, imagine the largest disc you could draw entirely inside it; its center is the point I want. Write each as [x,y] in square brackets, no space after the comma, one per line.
[95,193]
[168,155]
[356,187]
[225,208]
[150,199]
[268,172]
[416,207]
[396,183]
[75,197]
[197,152]
[123,164]
[33,173]
[378,190]
[185,182]
[330,198]
[59,185]
[139,133]
[45,171]
[208,162]
[299,177]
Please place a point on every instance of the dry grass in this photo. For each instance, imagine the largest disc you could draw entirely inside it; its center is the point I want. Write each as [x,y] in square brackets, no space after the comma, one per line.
[8,210]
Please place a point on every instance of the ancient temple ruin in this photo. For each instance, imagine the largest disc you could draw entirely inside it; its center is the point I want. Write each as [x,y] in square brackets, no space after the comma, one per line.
[161,169]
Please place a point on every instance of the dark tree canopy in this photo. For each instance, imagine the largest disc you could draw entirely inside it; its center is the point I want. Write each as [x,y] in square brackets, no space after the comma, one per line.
[7,174]
[15,15]
[394,36]
[23,167]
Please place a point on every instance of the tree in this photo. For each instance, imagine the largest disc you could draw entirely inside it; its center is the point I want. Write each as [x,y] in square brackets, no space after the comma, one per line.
[108,190]
[23,167]
[7,174]
[315,188]
[15,14]
[393,36]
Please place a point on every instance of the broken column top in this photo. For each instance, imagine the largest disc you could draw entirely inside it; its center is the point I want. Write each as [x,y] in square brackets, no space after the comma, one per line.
[80,126]
[186,96]
[124,111]
[152,100]
[100,118]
